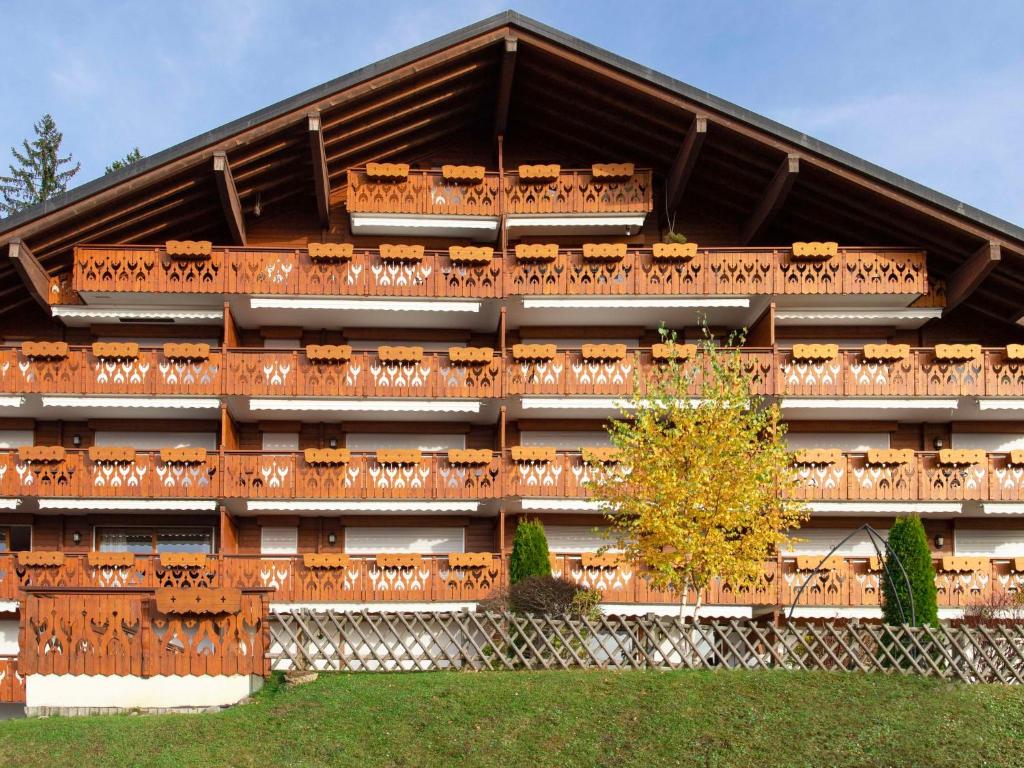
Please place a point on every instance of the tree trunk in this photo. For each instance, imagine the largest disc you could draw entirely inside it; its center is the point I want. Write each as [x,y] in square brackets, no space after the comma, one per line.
[684,597]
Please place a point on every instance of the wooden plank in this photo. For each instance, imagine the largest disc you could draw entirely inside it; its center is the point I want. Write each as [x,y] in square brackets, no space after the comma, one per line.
[31,272]
[229,197]
[773,199]
[685,161]
[321,179]
[971,274]
[508,68]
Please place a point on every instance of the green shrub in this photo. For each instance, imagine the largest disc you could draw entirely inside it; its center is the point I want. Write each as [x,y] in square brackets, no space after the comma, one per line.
[909,544]
[529,552]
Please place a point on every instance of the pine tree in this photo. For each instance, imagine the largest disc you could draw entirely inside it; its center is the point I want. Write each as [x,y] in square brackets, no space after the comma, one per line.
[132,157]
[40,172]
[908,544]
[529,552]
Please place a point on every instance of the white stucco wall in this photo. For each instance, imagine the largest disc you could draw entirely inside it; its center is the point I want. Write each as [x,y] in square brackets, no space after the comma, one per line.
[131,692]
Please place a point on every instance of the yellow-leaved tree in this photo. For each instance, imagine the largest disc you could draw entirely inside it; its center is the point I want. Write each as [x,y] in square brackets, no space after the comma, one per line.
[698,488]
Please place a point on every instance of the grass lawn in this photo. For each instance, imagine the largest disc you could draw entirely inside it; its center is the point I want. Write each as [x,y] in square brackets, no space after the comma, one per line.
[558,719]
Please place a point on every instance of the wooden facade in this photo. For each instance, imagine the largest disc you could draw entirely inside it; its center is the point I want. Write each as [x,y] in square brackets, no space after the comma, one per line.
[309,384]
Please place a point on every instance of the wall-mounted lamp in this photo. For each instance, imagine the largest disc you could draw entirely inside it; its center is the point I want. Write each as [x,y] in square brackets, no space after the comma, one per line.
[76,440]
[332,538]
[332,443]
[937,442]
[76,537]
[940,541]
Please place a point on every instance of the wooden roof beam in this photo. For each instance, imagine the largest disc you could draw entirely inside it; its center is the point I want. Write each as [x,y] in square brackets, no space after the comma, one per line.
[971,274]
[773,199]
[685,160]
[229,197]
[31,272]
[321,179]
[508,69]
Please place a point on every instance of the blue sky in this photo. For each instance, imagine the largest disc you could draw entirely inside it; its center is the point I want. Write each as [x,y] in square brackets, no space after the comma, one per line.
[932,90]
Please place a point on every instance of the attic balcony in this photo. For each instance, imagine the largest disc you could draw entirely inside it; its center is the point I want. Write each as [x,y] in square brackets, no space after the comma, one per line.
[334,577]
[945,483]
[469,201]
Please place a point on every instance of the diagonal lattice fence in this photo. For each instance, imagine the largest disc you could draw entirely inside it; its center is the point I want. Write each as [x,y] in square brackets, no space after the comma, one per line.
[364,641]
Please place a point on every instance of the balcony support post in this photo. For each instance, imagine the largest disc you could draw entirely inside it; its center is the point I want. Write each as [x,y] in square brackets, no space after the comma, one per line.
[773,199]
[229,199]
[679,176]
[971,274]
[321,179]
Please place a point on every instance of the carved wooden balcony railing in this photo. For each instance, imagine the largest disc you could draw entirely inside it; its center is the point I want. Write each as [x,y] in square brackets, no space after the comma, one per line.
[258,475]
[287,271]
[851,478]
[721,272]
[151,372]
[840,582]
[425,192]
[12,683]
[579,191]
[364,374]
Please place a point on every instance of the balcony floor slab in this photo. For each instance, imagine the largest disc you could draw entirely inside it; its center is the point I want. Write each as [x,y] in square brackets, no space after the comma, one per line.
[482,229]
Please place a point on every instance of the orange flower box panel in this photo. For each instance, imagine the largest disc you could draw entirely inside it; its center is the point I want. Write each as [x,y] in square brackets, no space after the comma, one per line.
[470,355]
[875,565]
[815,251]
[818,456]
[110,559]
[957,353]
[470,456]
[184,560]
[198,600]
[674,251]
[952,457]
[1016,458]
[471,560]
[42,454]
[399,456]
[36,559]
[328,252]
[1017,565]
[603,351]
[612,171]
[183,455]
[189,249]
[115,350]
[187,351]
[401,252]
[400,354]
[533,453]
[328,353]
[815,352]
[604,251]
[326,560]
[601,559]
[1015,353]
[536,252]
[882,457]
[886,353]
[962,564]
[45,350]
[662,353]
[111,455]
[471,254]
[539,174]
[399,560]
[533,351]
[601,455]
[463,174]
[327,456]
[815,562]
[387,171]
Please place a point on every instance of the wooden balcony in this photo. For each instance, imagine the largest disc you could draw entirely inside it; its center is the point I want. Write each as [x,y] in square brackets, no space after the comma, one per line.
[284,271]
[850,478]
[259,372]
[841,582]
[722,272]
[424,192]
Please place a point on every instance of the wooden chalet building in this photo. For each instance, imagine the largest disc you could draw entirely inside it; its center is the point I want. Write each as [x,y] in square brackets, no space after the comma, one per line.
[336,349]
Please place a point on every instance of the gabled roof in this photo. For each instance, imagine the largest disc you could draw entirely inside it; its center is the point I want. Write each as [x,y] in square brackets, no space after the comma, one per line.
[444,93]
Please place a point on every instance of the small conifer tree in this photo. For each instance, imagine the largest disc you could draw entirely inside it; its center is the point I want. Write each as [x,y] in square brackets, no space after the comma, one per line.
[908,545]
[39,173]
[529,552]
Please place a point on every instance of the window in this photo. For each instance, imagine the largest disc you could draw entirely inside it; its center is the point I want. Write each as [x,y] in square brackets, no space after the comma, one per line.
[16,438]
[370,441]
[145,541]
[820,541]
[995,542]
[154,441]
[281,441]
[435,540]
[574,539]
[566,440]
[851,442]
[15,538]
[993,442]
[279,540]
